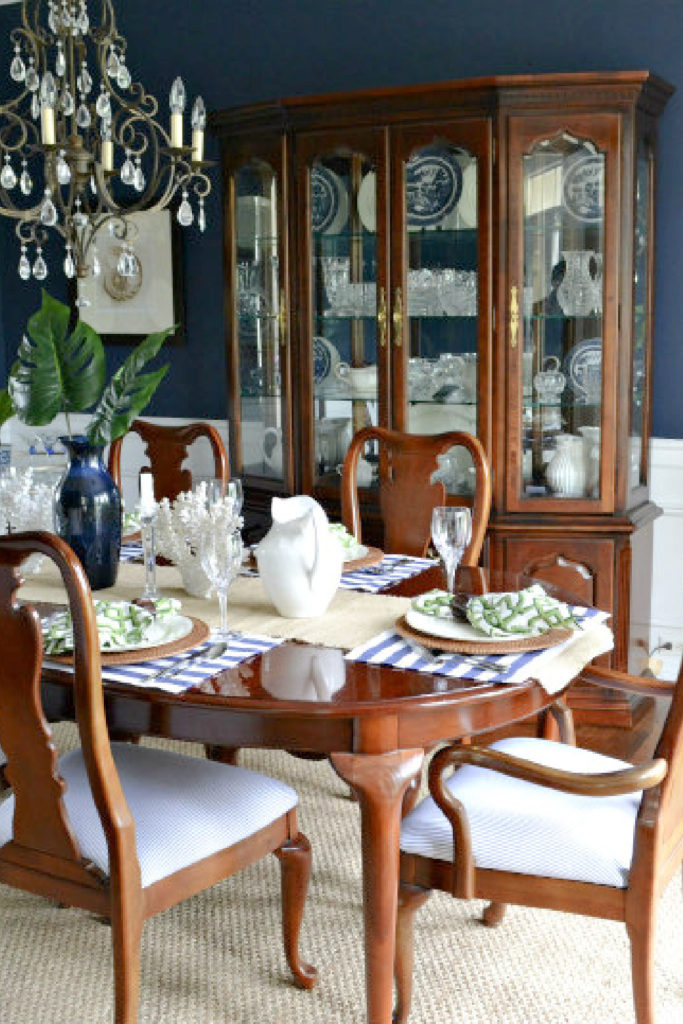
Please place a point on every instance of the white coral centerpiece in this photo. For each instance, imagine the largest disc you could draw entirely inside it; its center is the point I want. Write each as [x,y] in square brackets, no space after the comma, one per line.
[179,527]
[26,505]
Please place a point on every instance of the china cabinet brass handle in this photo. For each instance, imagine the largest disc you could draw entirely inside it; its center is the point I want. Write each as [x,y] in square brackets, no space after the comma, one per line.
[382,318]
[514,316]
[397,318]
[282,319]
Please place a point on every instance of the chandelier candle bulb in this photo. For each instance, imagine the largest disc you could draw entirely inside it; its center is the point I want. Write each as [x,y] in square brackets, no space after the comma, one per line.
[177,105]
[198,126]
[107,152]
[48,101]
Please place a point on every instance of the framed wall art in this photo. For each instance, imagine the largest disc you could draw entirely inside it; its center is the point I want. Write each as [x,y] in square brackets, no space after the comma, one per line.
[125,309]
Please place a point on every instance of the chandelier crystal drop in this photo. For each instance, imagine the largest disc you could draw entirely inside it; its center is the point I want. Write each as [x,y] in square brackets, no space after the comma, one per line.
[81,144]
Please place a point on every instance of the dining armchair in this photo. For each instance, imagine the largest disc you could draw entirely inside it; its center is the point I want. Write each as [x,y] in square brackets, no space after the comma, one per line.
[166,449]
[546,824]
[120,830]
[407,493]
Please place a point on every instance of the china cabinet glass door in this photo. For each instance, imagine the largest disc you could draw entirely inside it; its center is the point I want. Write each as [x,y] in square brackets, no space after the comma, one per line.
[642,316]
[439,322]
[347,339]
[559,328]
[260,327]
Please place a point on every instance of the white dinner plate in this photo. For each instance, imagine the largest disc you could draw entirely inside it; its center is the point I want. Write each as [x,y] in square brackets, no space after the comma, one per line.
[451,629]
[163,630]
[353,554]
[366,201]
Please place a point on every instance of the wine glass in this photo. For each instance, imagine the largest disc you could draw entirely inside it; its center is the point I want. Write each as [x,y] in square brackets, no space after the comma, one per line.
[451,533]
[215,492]
[233,490]
[220,553]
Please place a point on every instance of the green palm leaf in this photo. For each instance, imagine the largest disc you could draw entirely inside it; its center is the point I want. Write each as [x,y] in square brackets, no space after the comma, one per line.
[128,392]
[56,371]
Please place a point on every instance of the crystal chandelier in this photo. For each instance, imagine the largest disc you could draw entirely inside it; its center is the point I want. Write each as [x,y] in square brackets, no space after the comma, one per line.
[81,146]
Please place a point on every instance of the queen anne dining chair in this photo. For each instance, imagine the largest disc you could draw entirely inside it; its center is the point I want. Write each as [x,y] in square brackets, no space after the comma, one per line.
[166,449]
[546,824]
[407,493]
[121,830]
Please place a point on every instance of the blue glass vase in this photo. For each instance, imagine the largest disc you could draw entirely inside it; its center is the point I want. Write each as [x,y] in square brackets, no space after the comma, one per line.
[88,511]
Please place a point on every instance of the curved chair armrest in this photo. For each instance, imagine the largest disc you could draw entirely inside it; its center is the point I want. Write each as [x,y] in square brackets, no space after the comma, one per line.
[644,685]
[625,780]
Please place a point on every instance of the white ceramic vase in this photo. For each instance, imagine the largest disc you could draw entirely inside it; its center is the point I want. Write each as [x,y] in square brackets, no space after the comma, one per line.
[566,471]
[299,559]
[591,455]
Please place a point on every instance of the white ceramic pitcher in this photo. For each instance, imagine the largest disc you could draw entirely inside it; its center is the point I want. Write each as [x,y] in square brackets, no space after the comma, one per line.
[299,559]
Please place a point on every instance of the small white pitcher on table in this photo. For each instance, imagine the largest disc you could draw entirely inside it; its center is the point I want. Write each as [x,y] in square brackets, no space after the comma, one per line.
[299,559]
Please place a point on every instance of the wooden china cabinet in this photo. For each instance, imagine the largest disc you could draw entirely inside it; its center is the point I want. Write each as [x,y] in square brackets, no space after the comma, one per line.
[470,255]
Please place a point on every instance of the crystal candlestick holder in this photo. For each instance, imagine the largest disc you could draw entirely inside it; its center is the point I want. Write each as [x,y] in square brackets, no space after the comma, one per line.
[148,521]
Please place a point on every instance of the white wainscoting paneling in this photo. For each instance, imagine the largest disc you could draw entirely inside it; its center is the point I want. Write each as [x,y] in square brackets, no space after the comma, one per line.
[666,488]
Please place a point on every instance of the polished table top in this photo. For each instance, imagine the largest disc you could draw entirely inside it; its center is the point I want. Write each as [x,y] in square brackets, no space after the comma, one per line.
[275,686]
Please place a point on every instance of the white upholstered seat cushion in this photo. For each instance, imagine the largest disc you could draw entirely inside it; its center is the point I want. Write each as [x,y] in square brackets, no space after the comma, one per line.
[529,829]
[185,808]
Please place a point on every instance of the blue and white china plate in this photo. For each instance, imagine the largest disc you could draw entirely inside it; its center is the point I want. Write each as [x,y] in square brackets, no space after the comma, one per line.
[325,358]
[583,188]
[584,354]
[329,201]
[433,186]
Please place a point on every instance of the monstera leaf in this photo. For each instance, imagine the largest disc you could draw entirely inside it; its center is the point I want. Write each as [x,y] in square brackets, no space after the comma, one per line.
[56,371]
[128,392]
[6,407]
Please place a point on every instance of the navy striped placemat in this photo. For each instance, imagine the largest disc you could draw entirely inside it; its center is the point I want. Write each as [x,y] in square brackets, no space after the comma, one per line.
[392,569]
[240,649]
[130,551]
[389,648]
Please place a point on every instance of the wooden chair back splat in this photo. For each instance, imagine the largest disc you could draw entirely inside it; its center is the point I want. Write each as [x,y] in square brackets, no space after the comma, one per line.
[166,449]
[406,493]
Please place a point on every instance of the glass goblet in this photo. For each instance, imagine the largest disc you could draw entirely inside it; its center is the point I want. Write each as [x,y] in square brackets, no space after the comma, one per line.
[233,490]
[214,493]
[220,553]
[451,533]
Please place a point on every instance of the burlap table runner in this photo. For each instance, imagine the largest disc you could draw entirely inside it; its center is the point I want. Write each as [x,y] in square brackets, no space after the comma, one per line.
[351,619]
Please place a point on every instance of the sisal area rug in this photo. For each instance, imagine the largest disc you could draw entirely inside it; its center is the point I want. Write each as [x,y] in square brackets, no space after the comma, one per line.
[217,959]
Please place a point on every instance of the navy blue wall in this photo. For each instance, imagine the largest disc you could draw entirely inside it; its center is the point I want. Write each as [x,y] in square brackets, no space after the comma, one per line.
[247,51]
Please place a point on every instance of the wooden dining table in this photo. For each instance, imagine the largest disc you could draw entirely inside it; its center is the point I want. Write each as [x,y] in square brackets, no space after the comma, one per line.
[374,728]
